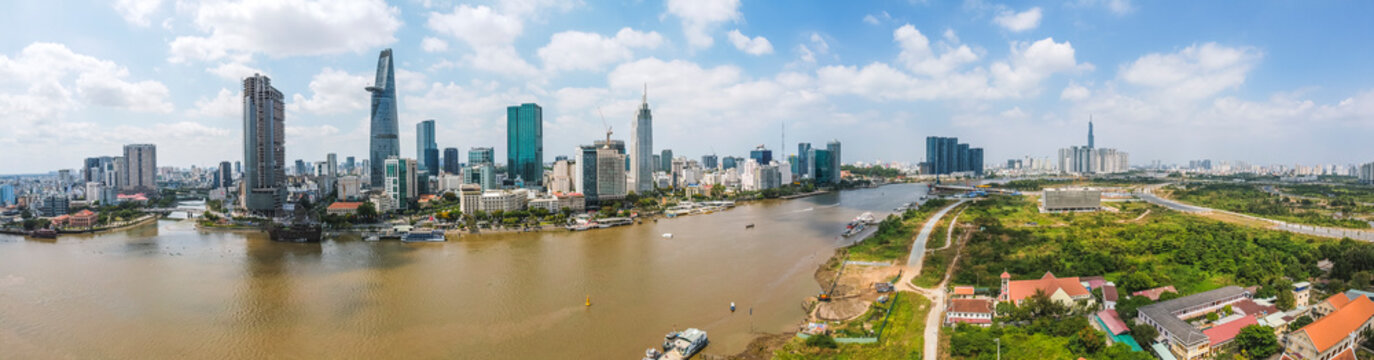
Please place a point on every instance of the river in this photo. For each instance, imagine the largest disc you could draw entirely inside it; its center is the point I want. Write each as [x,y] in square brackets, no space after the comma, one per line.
[167,290]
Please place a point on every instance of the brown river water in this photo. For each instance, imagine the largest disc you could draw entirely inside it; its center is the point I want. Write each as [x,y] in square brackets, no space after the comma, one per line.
[167,290]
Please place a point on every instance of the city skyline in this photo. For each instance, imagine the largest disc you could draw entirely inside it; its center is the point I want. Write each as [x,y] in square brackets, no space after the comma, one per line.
[1018,78]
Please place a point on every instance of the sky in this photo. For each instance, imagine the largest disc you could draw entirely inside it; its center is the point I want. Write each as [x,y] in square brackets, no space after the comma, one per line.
[1258,81]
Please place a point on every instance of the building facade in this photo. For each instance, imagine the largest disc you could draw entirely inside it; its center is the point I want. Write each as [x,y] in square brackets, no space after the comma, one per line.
[140,169]
[945,155]
[401,186]
[642,149]
[264,146]
[385,140]
[525,143]
[426,149]
[452,162]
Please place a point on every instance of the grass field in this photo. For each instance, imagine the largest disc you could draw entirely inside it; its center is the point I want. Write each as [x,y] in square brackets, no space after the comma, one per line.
[902,339]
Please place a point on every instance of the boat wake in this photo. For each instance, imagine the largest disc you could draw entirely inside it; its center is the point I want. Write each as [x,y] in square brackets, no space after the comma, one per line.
[804,210]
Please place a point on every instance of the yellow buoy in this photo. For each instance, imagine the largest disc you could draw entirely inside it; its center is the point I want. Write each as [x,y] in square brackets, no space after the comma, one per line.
[589,300]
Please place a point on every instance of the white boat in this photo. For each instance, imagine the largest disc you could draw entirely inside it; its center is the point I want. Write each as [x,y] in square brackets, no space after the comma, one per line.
[424,236]
[667,235]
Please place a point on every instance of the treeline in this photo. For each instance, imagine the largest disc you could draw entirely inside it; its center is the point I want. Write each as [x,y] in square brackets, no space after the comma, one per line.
[871,171]
[1249,199]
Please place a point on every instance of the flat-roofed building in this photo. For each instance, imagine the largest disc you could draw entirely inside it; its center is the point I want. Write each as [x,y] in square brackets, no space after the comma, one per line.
[1071,199]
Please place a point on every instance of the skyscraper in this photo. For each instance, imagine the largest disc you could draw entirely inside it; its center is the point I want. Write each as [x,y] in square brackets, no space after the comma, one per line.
[1090,131]
[642,147]
[835,160]
[401,181]
[451,160]
[761,155]
[708,161]
[729,162]
[264,146]
[804,160]
[226,177]
[385,143]
[584,173]
[945,155]
[667,160]
[820,166]
[426,150]
[525,144]
[140,169]
[331,173]
[479,155]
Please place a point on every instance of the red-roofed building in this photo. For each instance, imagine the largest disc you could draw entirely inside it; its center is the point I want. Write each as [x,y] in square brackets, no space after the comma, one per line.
[1109,296]
[1113,320]
[83,218]
[1153,294]
[1249,307]
[963,291]
[1065,291]
[1338,332]
[970,311]
[1222,334]
[344,208]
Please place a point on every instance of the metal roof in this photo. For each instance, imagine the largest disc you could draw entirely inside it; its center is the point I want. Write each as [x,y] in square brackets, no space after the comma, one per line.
[1163,313]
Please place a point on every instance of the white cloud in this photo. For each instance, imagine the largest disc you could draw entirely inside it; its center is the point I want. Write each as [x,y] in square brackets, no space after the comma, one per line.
[489,33]
[1075,92]
[137,11]
[1018,22]
[225,104]
[756,46]
[1118,7]
[700,18]
[432,44]
[234,71]
[334,91]
[48,79]
[918,56]
[1032,63]
[286,28]
[1198,71]
[822,47]
[877,19]
[576,50]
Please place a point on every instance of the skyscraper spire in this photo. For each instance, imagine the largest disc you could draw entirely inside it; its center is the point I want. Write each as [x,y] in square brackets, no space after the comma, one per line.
[1090,131]
[645,101]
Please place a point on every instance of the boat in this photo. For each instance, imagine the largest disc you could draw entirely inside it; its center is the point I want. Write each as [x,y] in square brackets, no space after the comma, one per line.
[44,234]
[295,232]
[424,236]
[667,235]
[372,237]
[750,226]
[682,344]
[732,306]
[652,354]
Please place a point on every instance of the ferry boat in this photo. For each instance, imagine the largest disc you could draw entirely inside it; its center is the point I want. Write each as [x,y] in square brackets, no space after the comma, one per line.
[295,232]
[44,234]
[424,236]
[858,224]
[679,345]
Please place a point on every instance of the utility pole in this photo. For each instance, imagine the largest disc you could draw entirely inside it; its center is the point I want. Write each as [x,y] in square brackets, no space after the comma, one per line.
[999,347]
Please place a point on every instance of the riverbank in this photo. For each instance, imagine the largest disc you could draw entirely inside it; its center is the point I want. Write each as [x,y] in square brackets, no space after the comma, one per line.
[144,220]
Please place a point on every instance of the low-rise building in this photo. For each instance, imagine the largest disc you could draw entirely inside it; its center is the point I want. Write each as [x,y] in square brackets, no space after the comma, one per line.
[1066,291]
[84,218]
[343,208]
[504,200]
[1338,332]
[970,311]
[1301,293]
[470,198]
[1071,200]
[571,201]
[1222,334]
[1182,339]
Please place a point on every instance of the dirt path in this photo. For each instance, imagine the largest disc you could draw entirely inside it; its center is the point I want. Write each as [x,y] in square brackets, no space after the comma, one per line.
[936,295]
[949,236]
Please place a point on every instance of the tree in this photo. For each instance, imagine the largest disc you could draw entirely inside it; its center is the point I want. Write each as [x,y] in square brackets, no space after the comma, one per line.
[1087,340]
[450,196]
[1144,334]
[1212,317]
[1299,323]
[367,210]
[1257,341]
[1360,280]
[1137,281]
[821,341]
[1286,300]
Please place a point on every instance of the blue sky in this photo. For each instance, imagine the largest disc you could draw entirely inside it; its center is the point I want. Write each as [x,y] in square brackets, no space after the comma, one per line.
[1265,82]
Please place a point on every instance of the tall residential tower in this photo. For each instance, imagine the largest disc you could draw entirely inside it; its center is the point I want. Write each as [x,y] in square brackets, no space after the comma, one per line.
[385,143]
[426,150]
[264,146]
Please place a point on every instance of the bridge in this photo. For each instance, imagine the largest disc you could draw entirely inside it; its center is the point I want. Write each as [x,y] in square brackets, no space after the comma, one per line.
[971,189]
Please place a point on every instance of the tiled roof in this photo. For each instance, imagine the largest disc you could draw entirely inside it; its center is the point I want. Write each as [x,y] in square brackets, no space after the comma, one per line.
[1347,354]
[1163,313]
[1093,281]
[1109,293]
[963,290]
[1338,301]
[1225,332]
[345,205]
[970,321]
[1022,289]
[1113,321]
[1249,307]
[979,306]
[1153,294]
[1329,330]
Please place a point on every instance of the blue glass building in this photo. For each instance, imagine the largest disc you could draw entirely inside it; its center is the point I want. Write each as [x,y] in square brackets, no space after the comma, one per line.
[426,150]
[761,155]
[525,144]
[384,143]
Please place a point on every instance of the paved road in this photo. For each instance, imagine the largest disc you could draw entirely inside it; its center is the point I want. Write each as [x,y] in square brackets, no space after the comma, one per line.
[918,249]
[1321,231]
[936,295]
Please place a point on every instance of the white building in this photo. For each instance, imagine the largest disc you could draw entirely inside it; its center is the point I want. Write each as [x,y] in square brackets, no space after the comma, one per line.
[470,198]
[610,174]
[561,178]
[505,200]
